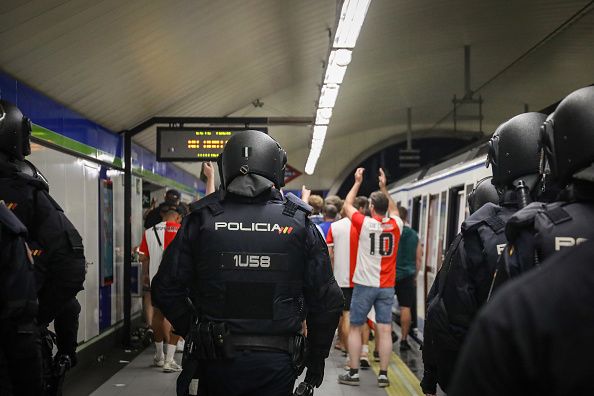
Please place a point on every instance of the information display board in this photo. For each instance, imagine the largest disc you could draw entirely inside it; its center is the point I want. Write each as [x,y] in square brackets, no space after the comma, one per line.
[193,144]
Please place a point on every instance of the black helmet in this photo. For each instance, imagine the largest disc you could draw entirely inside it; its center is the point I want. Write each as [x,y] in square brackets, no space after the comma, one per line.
[568,137]
[483,192]
[15,130]
[513,149]
[252,152]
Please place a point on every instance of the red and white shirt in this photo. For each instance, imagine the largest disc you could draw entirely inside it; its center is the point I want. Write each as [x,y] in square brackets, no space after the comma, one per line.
[154,241]
[377,250]
[344,239]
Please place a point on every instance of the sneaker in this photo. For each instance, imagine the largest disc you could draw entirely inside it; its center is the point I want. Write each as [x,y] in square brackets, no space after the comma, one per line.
[159,361]
[364,363]
[376,356]
[405,346]
[171,367]
[180,345]
[349,379]
[383,381]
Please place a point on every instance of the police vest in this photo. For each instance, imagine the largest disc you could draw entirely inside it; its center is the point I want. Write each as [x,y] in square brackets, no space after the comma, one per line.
[26,193]
[18,292]
[553,227]
[20,184]
[250,261]
[488,223]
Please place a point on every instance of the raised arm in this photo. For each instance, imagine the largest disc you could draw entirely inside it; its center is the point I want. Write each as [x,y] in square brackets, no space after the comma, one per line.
[392,208]
[349,208]
[305,193]
[210,177]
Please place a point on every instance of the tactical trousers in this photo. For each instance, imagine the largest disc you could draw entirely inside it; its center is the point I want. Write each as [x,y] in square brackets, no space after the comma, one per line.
[249,374]
[66,326]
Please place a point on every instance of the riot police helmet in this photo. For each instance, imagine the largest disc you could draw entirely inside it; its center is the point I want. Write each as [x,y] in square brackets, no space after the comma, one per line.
[15,130]
[568,136]
[483,192]
[252,153]
[513,149]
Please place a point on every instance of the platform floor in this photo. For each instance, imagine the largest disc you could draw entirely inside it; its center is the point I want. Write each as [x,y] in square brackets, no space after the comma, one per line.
[139,378]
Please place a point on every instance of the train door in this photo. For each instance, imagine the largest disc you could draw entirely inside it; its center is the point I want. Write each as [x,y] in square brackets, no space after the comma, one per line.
[421,219]
[432,247]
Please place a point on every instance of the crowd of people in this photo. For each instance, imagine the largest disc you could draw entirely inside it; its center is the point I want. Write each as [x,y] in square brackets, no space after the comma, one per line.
[258,281]
[373,255]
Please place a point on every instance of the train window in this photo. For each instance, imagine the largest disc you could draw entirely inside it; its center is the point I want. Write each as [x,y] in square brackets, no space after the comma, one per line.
[416,213]
[454,206]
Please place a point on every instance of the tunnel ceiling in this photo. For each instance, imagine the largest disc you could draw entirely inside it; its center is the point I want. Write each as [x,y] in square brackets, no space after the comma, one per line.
[119,63]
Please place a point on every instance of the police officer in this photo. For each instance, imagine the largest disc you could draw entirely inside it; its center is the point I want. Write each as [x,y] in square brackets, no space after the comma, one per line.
[57,246]
[567,152]
[20,349]
[255,267]
[466,276]
[535,336]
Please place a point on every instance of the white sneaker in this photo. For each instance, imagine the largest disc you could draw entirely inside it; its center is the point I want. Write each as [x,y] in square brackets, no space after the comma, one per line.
[180,345]
[159,361]
[171,367]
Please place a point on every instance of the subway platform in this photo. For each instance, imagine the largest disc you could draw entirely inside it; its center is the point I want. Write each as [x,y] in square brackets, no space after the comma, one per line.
[140,378]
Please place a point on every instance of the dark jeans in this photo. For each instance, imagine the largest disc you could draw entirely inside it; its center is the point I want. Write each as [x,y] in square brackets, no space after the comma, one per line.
[249,374]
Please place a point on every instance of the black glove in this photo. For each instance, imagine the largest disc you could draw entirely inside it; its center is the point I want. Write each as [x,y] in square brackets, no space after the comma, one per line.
[315,372]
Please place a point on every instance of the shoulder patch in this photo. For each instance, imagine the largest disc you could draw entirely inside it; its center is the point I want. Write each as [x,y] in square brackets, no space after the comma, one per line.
[557,214]
[484,212]
[301,205]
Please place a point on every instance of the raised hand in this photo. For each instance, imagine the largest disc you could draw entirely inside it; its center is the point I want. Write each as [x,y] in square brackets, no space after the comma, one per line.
[359,175]
[208,170]
[382,179]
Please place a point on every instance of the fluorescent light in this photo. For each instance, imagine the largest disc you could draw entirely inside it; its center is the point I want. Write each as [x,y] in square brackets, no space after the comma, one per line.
[323,116]
[337,66]
[316,146]
[349,26]
[328,95]
[351,19]
[319,132]
[310,166]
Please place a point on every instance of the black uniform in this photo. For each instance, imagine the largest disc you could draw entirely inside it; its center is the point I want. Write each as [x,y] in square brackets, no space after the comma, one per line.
[20,349]
[466,278]
[57,248]
[261,267]
[535,336]
[540,230]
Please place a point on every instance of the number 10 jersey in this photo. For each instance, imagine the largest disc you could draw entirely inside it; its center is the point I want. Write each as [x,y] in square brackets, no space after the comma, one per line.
[378,248]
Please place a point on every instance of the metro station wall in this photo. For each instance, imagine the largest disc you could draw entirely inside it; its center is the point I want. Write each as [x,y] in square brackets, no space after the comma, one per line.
[74,184]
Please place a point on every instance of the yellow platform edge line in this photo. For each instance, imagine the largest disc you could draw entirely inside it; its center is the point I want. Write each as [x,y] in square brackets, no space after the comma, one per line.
[402,380]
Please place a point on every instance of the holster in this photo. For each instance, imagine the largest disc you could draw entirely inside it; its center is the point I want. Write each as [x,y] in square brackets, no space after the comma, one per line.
[208,341]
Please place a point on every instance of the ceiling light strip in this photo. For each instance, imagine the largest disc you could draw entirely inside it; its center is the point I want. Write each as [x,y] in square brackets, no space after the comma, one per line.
[351,19]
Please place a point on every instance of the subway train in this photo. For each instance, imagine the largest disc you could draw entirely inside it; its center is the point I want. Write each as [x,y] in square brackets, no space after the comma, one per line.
[436,199]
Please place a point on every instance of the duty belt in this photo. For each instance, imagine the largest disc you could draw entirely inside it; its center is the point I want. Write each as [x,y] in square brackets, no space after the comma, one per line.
[261,342]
